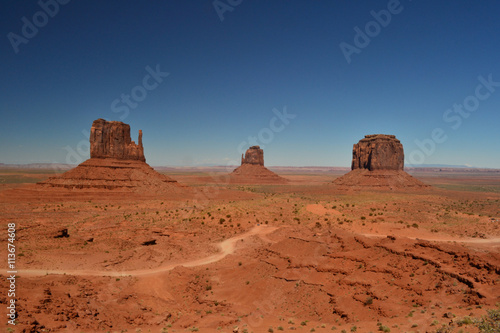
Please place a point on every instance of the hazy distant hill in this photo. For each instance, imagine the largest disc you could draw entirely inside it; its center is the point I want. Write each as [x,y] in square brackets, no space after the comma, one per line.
[277,169]
[54,166]
[443,166]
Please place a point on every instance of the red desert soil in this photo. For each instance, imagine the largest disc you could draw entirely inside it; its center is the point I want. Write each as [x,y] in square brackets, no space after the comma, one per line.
[253,258]
[226,247]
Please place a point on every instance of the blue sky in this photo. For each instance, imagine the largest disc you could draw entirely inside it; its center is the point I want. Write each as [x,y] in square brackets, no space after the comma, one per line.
[225,78]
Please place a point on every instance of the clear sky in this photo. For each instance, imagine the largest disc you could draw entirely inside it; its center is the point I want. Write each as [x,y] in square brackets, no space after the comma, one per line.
[332,71]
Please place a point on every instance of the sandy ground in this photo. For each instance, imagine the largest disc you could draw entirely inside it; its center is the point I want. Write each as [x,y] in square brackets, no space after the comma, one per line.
[240,258]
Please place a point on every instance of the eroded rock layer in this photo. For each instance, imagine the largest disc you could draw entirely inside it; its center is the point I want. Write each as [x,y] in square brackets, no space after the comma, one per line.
[378,152]
[113,174]
[378,163]
[254,155]
[116,163]
[253,171]
[111,139]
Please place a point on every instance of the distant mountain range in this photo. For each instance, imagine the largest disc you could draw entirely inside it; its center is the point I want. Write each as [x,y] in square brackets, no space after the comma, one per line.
[443,166]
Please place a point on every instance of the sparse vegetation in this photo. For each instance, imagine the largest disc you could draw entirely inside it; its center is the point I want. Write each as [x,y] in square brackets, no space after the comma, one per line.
[307,253]
[383,328]
[489,323]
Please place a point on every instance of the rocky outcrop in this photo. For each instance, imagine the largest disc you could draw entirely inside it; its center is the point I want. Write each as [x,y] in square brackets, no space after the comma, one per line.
[253,155]
[113,174]
[111,139]
[116,163]
[378,152]
[378,163]
[253,171]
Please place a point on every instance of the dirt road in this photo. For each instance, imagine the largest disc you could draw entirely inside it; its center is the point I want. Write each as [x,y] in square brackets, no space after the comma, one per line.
[226,247]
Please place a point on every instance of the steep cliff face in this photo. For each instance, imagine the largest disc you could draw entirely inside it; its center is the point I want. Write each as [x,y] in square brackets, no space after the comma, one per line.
[116,163]
[111,139]
[253,155]
[378,163]
[378,152]
[253,171]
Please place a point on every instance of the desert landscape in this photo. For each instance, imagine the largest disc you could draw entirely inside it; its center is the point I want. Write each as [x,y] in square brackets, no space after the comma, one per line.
[114,246]
[242,166]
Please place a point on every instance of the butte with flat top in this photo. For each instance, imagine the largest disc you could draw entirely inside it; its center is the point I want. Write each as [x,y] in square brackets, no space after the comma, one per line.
[378,162]
[253,171]
[116,163]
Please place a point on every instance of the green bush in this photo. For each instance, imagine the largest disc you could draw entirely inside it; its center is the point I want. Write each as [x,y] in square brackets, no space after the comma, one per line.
[489,323]
[384,328]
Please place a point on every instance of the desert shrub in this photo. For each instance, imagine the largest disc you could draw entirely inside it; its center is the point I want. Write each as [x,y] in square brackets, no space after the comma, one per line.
[465,321]
[384,328]
[490,322]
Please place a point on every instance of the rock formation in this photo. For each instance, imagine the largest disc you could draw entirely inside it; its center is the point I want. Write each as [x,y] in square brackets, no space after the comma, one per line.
[378,162]
[111,139]
[378,152]
[253,155]
[253,171]
[116,163]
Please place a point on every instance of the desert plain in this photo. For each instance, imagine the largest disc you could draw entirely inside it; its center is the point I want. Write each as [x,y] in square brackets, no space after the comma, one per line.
[223,257]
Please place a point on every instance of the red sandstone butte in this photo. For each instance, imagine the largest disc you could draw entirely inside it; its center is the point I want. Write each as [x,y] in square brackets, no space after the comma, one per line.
[378,163]
[378,152]
[253,155]
[116,163]
[253,171]
[111,139]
